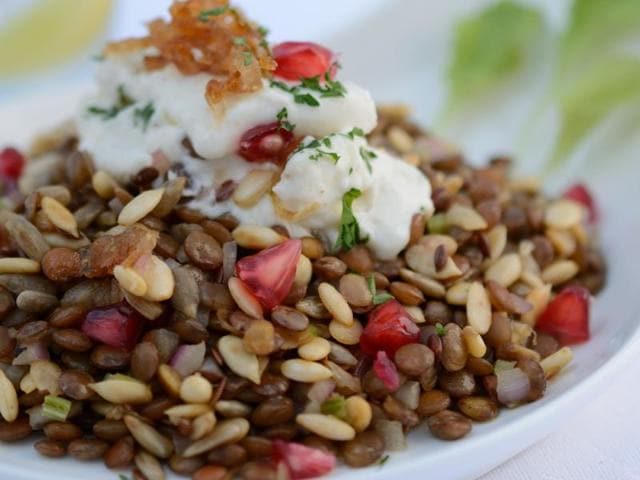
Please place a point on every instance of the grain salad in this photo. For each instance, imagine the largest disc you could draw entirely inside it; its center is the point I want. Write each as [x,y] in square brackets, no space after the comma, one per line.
[231,264]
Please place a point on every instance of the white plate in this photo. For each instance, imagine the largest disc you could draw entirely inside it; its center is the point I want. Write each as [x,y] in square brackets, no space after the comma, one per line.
[615,329]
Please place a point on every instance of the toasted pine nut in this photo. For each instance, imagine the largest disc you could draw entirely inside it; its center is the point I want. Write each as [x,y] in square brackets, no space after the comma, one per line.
[8,399]
[475,344]
[119,391]
[564,213]
[346,335]
[326,426]
[140,206]
[316,349]
[148,437]
[256,237]
[130,280]
[18,265]
[103,184]
[244,298]
[227,431]
[556,361]
[253,187]
[238,359]
[458,293]
[479,308]
[60,216]
[305,371]
[560,271]
[333,301]
[506,269]
[465,217]
[196,389]
[169,379]
[359,413]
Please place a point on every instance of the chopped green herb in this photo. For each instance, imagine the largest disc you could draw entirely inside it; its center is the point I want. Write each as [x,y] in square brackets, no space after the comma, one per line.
[306,99]
[123,101]
[383,460]
[143,115]
[312,144]
[333,156]
[349,235]
[56,408]
[326,141]
[355,132]
[335,406]
[204,15]
[248,58]
[98,57]
[350,170]
[367,156]
[240,41]
[330,88]
[122,477]
[378,298]
[283,120]
[439,329]
[263,31]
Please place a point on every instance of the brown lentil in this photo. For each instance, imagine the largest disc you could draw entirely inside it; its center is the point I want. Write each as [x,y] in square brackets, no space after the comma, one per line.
[454,351]
[537,378]
[354,289]
[432,402]
[74,384]
[290,318]
[61,264]
[210,472]
[448,425]
[62,431]
[50,448]
[479,409]
[457,384]
[145,360]
[120,454]
[358,259]
[406,293]
[413,359]
[110,430]
[87,448]
[365,449]
[329,268]
[203,250]
[71,339]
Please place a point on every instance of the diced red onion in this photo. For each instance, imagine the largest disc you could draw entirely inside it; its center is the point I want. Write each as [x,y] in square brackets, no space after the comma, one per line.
[513,386]
[409,394]
[188,358]
[229,257]
[33,351]
[392,433]
[322,390]
[386,371]
[37,420]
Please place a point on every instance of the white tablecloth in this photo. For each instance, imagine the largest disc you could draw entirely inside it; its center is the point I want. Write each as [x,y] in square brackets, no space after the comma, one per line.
[602,442]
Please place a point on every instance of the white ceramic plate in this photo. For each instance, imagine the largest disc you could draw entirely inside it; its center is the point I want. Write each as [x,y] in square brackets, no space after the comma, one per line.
[615,329]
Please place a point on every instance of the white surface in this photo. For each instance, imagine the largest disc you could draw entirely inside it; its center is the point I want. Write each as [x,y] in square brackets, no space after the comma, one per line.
[592,406]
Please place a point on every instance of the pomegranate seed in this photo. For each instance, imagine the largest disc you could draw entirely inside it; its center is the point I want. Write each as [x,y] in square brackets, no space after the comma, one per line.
[581,194]
[116,325]
[302,461]
[567,316]
[389,328]
[11,163]
[269,274]
[267,143]
[298,60]
[386,371]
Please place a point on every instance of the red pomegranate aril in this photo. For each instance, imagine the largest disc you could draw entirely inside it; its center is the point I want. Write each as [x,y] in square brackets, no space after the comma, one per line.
[11,163]
[386,371]
[267,143]
[302,461]
[116,325]
[269,274]
[298,60]
[389,328]
[581,194]
[567,316]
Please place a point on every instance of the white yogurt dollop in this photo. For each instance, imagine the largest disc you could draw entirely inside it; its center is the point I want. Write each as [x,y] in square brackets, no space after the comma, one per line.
[311,185]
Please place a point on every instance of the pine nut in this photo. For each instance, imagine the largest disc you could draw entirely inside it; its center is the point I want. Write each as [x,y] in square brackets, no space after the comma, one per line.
[119,391]
[427,285]
[140,206]
[203,425]
[244,298]
[555,362]
[18,265]
[255,237]
[305,371]
[420,258]
[158,277]
[191,410]
[304,272]
[497,241]
[227,431]
[506,270]
[475,344]
[148,437]
[103,184]
[479,308]
[335,303]
[560,271]
[169,379]
[563,241]
[238,359]
[60,216]
[564,213]
[45,376]
[232,408]
[432,240]
[196,389]
[8,399]
[458,293]
[253,187]
[346,335]
[359,413]
[326,426]
[149,466]
[400,139]
[130,280]
[316,349]
[465,217]
[416,313]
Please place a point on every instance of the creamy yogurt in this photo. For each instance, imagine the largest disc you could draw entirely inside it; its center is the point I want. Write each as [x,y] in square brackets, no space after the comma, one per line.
[314,178]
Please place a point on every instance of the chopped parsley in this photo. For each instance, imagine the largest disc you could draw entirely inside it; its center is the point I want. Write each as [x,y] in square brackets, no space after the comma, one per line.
[283,120]
[378,298]
[122,477]
[355,132]
[263,31]
[240,41]
[319,152]
[336,406]
[349,235]
[367,156]
[143,115]
[383,460]
[248,58]
[204,15]
[123,101]
[330,88]
[439,329]
[332,156]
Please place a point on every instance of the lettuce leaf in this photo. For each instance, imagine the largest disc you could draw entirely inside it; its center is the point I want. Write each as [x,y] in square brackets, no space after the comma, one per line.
[489,47]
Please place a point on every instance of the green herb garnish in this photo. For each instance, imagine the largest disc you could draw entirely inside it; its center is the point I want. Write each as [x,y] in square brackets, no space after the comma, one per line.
[330,88]
[248,58]
[306,99]
[332,156]
[123,101]
[240,41]
[378,298]
[56,408]
[367,156]
[355,132]
[383,460]
[335,406]
[204,15]
[283,120]
[349,235]
[143,115]
[439,329]
[122,477]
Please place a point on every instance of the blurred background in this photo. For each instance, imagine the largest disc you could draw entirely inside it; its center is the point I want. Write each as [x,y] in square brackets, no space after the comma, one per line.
[555,82]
